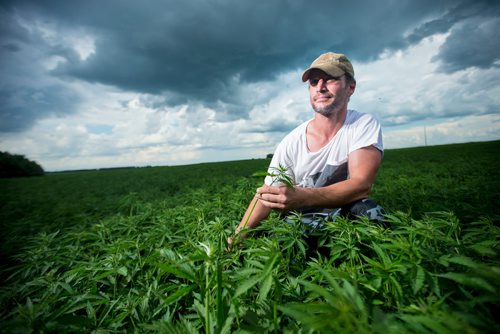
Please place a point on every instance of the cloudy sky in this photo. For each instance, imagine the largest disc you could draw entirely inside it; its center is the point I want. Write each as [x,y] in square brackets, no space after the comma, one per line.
[91,84]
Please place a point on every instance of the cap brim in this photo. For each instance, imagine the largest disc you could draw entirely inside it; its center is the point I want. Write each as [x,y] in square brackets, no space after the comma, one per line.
[305,76]
[334,71]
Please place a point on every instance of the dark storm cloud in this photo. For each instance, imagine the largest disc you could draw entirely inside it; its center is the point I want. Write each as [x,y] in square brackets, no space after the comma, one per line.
[476,42]
[474,39]
[203,51]
[23,106]
[26,94]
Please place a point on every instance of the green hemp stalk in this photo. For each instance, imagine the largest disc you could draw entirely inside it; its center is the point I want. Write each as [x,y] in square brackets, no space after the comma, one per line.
[279,175]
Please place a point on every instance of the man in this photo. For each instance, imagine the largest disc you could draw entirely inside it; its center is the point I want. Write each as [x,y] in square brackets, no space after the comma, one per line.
[332,159]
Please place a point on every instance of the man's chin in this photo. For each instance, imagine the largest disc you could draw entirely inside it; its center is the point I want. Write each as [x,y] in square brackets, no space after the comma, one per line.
[324,109]
[325,112]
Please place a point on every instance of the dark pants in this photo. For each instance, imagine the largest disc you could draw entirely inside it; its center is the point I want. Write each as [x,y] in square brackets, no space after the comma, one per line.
[313,219]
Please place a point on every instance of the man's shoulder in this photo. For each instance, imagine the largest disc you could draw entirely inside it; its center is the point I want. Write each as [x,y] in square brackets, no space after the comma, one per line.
[354,116]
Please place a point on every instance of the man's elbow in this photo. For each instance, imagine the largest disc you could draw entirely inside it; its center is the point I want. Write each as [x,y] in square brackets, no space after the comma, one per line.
[364,188]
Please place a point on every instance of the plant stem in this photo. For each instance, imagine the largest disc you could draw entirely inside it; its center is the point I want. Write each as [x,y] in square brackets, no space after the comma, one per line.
[250,213]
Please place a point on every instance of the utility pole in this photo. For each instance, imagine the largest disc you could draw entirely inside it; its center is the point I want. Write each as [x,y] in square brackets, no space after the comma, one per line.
[425,135]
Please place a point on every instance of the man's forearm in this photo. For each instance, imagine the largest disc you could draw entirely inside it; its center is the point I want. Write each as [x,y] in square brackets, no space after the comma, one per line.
[255,213]
[335,195]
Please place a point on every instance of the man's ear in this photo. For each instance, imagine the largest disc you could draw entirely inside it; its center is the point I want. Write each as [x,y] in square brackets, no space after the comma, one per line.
[352,86]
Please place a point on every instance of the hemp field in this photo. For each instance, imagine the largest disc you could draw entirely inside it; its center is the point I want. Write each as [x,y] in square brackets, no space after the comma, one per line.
[144,250]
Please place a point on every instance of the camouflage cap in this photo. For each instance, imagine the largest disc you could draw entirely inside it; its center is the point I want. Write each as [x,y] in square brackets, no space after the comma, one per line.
[334,64]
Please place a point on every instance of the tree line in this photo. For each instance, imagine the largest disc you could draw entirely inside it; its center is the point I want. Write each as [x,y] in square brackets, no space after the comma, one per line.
[16,165]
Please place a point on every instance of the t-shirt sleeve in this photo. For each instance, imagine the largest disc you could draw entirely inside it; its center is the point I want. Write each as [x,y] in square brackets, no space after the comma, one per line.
[367,133]
[279,161]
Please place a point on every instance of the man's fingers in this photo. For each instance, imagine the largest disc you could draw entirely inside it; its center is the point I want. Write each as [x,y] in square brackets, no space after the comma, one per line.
[260,191]
[272,197]
[268,190]
[272,201]
[273,205]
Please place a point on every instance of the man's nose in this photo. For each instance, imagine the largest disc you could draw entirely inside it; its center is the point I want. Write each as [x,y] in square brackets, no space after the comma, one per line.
[321,86]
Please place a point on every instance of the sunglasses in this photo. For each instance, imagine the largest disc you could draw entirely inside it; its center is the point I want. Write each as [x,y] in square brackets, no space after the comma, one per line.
[314,81]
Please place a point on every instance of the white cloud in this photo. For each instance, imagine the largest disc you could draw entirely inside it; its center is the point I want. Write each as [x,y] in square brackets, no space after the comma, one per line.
[406,86]
[444,131]
[76,39]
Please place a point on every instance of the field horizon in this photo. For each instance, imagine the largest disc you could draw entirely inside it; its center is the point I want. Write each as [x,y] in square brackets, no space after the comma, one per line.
[250,158]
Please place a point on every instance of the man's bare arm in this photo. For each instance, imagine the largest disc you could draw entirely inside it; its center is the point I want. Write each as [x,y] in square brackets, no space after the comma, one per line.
[363,165]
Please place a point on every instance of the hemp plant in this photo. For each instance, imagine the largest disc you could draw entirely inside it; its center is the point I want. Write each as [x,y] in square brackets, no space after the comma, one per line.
[278,175]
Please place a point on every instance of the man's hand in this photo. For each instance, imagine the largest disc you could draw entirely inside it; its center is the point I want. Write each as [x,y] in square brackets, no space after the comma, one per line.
[234,242]
[230,245]
[281,198]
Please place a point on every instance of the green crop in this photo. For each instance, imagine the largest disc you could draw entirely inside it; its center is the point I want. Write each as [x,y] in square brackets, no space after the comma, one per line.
[135,250]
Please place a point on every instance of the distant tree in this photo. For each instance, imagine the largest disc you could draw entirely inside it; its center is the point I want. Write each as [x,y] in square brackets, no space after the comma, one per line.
[269,156]
[15,165]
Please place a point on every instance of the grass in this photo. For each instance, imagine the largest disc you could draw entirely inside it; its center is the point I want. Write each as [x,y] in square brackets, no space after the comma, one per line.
[135,250]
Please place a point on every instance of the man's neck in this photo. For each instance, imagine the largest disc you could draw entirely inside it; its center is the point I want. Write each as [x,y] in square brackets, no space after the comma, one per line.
[322,129]
[328,126]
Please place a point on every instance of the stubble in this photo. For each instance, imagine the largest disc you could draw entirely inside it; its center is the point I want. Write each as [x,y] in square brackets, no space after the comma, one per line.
[326,110]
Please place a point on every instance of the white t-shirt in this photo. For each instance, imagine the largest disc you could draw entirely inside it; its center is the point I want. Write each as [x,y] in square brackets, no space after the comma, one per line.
[329,164]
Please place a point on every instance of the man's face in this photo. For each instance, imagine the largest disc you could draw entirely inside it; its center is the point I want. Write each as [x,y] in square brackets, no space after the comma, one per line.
[328,94]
